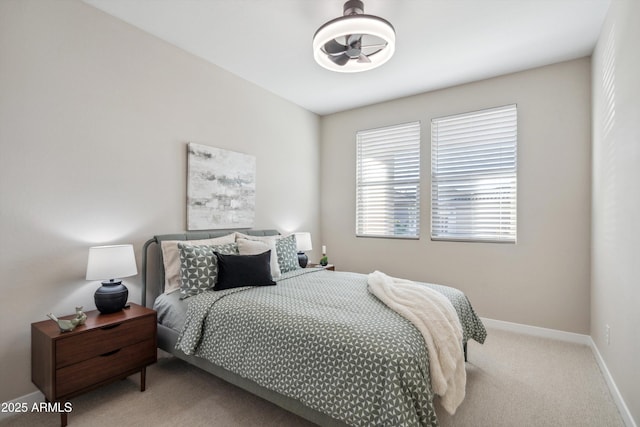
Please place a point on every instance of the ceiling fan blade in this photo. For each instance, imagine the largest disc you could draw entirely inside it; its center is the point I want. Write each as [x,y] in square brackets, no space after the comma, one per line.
[353,39]
[363,58]
[332,47]
[374,46]
[340,60]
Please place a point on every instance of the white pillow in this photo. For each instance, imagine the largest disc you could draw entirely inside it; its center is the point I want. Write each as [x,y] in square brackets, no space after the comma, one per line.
[171,258]
[258,238]
[255,247]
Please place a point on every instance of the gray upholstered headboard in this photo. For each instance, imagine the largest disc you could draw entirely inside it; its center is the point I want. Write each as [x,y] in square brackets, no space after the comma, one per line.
[153,267]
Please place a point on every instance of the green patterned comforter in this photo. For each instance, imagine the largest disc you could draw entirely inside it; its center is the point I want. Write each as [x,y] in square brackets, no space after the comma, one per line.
[320,337]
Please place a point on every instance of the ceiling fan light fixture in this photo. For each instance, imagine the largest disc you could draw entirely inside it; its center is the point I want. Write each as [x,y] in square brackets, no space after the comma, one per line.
[354,42]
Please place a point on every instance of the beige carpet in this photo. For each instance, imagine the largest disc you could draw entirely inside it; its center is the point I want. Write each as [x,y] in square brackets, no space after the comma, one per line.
[512,380]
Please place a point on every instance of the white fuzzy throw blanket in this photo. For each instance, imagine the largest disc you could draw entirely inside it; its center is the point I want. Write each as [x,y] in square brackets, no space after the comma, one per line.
[437,320]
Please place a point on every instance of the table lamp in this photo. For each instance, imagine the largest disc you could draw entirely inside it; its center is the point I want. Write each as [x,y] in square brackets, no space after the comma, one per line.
[110,264]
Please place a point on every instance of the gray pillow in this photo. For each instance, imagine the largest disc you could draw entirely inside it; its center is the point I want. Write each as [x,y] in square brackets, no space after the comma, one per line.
[199,266]
[287,253]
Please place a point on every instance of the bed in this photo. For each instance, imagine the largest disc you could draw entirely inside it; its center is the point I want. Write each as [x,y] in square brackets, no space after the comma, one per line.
[318,344]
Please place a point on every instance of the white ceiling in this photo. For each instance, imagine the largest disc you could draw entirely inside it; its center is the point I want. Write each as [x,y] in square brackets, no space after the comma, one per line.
[439,43]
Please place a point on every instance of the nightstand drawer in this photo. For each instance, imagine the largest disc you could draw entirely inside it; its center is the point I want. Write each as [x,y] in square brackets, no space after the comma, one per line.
[98,341]
[88,373]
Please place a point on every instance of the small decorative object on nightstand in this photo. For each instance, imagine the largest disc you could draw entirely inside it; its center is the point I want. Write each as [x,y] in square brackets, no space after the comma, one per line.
[303,243]
[65,325]
[106,348]
[111,263]
[68,325]
[80,316]
[324,260]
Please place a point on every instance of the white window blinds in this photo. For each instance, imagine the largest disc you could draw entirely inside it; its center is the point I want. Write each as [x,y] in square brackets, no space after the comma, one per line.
[473,176]
[388,182]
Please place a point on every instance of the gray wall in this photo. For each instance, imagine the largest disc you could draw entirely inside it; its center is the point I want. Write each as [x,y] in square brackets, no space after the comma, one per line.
[95,116]
[543,280]
[615,269]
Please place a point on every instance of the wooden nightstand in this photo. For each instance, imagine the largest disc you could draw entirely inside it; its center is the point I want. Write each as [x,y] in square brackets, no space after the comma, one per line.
[326,267]
[106,348]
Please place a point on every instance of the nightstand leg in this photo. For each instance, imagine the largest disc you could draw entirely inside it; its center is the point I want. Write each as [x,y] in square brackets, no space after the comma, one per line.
[143,377]
[63,416]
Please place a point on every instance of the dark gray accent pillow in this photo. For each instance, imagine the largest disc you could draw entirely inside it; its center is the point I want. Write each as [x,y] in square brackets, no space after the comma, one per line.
[235,271]
[287,253]
[199,266]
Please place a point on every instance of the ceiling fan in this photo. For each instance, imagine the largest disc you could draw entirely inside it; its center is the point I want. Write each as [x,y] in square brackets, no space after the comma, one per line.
[355,41]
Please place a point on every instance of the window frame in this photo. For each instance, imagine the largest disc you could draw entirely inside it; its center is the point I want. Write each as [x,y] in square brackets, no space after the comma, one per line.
[412,146]
[502,176]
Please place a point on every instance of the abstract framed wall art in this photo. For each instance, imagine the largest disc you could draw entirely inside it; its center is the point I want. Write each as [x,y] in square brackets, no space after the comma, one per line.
[221,188]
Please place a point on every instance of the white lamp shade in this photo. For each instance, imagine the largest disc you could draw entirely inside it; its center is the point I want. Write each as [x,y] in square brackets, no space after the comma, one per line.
[111,262]
[303,241]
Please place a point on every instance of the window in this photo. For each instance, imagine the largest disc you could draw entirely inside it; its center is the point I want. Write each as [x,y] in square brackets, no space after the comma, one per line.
[473,176]
[388,182]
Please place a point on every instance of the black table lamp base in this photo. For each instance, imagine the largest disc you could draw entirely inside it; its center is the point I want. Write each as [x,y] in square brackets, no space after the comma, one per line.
[303,259]
[111,297]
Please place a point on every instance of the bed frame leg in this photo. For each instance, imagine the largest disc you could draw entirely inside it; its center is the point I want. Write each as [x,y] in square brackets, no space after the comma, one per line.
[464,346]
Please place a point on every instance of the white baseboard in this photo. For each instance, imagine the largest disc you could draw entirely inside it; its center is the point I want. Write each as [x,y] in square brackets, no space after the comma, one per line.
[29,399]
[538,331]
[613,388]
[572,338]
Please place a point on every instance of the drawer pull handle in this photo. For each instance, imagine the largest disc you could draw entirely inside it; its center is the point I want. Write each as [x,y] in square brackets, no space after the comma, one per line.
[105,328]
[109,353]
